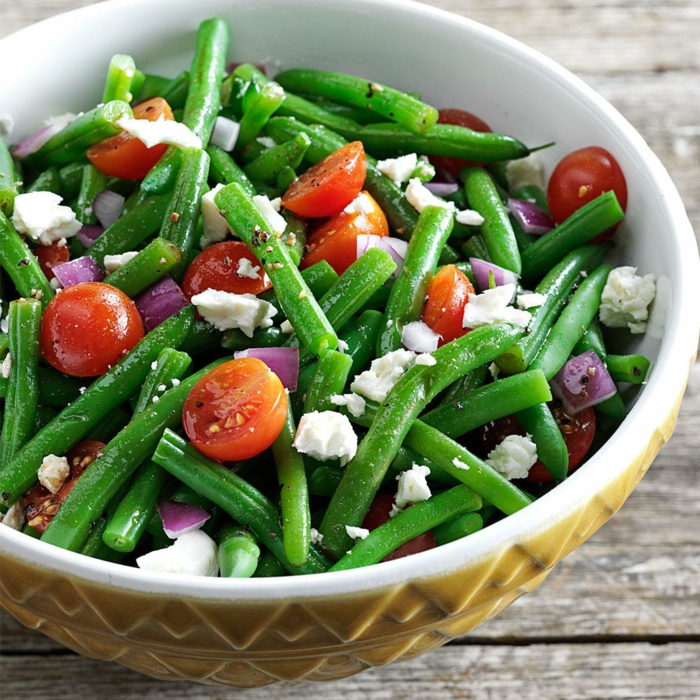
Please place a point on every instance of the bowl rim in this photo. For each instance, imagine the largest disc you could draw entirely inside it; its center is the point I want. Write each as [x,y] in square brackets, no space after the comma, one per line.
[656,404]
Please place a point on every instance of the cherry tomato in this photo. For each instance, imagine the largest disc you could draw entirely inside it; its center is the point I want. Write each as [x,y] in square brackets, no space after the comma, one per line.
[41,504]
[123,155]
[235,411]
[336,240]
[51,255]
[378,514]
[329,186]
[458,117]
[447,296]
[89,327]
[578,432]
[581,177]
[217,268]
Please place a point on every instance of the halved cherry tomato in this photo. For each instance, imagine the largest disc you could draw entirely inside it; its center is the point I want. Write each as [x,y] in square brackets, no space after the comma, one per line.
[51,255]
[89,327]
[235,411]
[447,296]
[458,117]
[217,268]
[578,432]
[329,186]
[41,504]
[123,155]
[336,240]
[378,514]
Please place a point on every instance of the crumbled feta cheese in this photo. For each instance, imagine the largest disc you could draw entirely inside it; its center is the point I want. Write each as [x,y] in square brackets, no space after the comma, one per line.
[155,399]
[82,389]
[225,133]
[225,310]
[114,262]
[4,324]
[413,486]
[326,435]
[382,375]
[266,208]
[6,366]
[469,217]
[286,327]
[626,298]
[161,388]
[55,284]
[342,345]
[398,169]
[419,337]
[514,457]
[276,204]
[40,216]
[53,472]
[193,554]
[216,228]
[61,120]
[266,141]
[525,171]
[175,382]
[419,197]
[426,358]
[493,369]
[492,306]
[14,517]
[161,131]
[425,170]
[460,464]
[316,536]
[357,533]
[360,205]
[355,404]
[247,269]
[530,301]
[154,364]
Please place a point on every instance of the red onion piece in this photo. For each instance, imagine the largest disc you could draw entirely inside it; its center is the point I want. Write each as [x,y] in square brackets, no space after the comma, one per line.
[180,518]
[89,233]
[394,246]
[160,301]
[419,337]
[107,206]
[481,270]
[530,217]
[284,362]
[35,141]
[442,189]
[582,382]
[225,133]
[77,271]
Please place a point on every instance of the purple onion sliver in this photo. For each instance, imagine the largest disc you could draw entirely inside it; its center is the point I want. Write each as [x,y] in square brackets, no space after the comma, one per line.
[530,217]
[284,362]
[89,233]
[365,241]
[35,141]
[501,276]
[107,206]
[77,271]
[442,189]
[159,302]
[584,381]
[180,518]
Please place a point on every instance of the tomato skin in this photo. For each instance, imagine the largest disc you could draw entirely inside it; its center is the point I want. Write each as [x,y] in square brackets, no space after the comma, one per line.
[89,327]
[329,186]
[245,403]
[378,514]
[448,294]
[123,155]
[335,241]
[458,117]
[217,268]
[50,256]
[582,176]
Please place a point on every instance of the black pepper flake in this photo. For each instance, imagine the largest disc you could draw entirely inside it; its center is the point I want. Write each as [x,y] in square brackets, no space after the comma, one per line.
[636,371]
[370,91]
[23,263]
[585,380]
[5,496]
[199,404]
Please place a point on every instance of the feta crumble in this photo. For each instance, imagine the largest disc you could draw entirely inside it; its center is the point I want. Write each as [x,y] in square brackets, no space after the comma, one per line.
[161,131]
[419,337]
[469,217]
[15,516]
[286,327]
[6,366]
[342,345]
[383,374]
[216,228]
[114,262]
[460,464]
[525,171]
[413,486]
[398,169]
[225,310]
[53,472]
[4,323]
[266,141]
[419,197]
[61,120]
[355,404]
[247,269]
[357,533]
[267,209]
[193,554]
[360,205]
[326,435]
[514,457]
[41,216]
[494,371]
[316,536]
[626,298]
[426,358]
[154,364]
[492,306]
[530,301]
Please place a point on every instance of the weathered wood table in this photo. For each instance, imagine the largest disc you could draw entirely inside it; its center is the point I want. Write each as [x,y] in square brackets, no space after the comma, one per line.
[620,618]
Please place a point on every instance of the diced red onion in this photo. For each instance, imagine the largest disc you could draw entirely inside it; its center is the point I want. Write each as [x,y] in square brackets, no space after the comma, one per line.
[77,271]
[35,141]
[234,64]
[180,518]
[394,246]
[582,382]
[225,133]
[159,302]
[107,206]
[420,337]
[530,217]
[284,362]
[442,189]
[501,276]
[89,233]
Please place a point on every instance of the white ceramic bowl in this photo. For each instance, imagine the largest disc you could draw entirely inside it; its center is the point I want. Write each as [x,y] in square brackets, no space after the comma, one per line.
[249,632]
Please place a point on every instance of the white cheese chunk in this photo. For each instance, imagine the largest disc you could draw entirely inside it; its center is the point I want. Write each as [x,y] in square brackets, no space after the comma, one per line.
[357,533]
[6,366]
[266,141]
[531,300]
[267,209]
[413,486]
[53,472]
[160,131]
[225,310]
[426,359]
[419,197]
[469,217]
[15,516]
[326,435]
[4,323]
[425,170]
[355,404]
[342,345]
[525,171]
[61,120]
[514,457]
[192,554]
[419,337]
[286,327]
[626,298]
[247,269]
[460,464]
[492,306]
[383,374]
[316,536]
[114,262]
[398,169]
[225,133]
[40,216]
[216,227]
[493,369]
[362,204]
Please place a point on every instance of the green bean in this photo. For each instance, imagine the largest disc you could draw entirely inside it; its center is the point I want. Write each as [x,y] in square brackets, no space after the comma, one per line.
[286,177]
[239,499]
[294,295]
[44,415]
[358,92]
[268,165]
[252,151]
[47,181]
[628,368]
[361,338]
[21,265]
[408,524]
[56,389]
[356,114]
[460,526]
[496,230]
[151,86]
[324,481]
[591,219]
[269,566]
[238,552]
[71,177]
[236,339]
[170,365]
[408,293]
[448,255]
[475,247]
[406,458]
[180,220]
[102,396]
[129,231]
[533,193]
[296,240]
[256,117]
[202,338]
[92,183]
[93,546]
[109,426]
[332,370]
[8,182]
[524,240]
[294,494]
[538,422]
[224,170]
[120,76]
[176,91]
[416,388]
[464,385]
[24,324]
[73,141]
